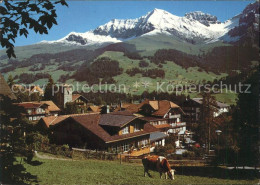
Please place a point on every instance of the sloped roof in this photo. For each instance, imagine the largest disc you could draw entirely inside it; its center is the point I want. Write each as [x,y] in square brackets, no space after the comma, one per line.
[95,108]
[131,107]
[146,118]
[219,104]
[5,89]
[164,107]
[76,96]
[134,108]
[173,105]
[52,106]
[125,105]
[161,107]
[154,104]
[162,126]
[125,113]
[121,106]
[53,120]
[92,123]
[157,135]
[116,120]
[36,88]
[28,105]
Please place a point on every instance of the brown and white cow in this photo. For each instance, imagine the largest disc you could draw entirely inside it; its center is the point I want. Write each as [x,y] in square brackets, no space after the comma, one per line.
[157,163]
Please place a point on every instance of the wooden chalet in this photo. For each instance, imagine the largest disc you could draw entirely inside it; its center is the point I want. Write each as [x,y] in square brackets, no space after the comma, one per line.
[81,102]
[118,132]
[37,110]
[164,115]
[36,89]
[192,108]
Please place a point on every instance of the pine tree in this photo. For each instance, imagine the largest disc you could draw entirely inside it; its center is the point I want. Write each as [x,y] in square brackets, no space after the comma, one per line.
[10,81]
[246,119]
[13,127]
[207,110]
[71,108]
[49,89]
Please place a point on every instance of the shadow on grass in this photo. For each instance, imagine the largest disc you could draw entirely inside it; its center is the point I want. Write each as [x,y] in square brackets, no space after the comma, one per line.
[34,163]
[217,172]
[17,174]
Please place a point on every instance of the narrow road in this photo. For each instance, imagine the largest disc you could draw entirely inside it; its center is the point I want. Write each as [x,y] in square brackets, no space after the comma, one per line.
[43,156]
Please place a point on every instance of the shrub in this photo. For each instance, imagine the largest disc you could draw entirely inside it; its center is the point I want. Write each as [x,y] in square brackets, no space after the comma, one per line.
[101,68]
[143,63]
[188,154]
[152,73]
[133,55]
[37,141]
[164,150]
[198,151]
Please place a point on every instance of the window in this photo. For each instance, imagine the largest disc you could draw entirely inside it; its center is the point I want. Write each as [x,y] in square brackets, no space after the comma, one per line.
[40,110]
[125,130]
[121,148]
[34,117]
[114,148]
[143,142]
[137,127]
[29,111]
[125,147]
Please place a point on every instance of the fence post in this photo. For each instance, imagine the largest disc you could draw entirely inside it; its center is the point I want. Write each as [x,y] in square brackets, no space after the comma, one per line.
[120,158]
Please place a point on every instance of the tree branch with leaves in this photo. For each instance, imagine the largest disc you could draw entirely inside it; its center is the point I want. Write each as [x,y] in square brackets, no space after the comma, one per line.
[18,17]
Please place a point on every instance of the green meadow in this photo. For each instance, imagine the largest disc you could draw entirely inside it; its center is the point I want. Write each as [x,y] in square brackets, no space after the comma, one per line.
[51,171]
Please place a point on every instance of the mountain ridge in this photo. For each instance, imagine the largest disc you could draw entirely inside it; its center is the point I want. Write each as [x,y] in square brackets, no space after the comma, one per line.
[194,27]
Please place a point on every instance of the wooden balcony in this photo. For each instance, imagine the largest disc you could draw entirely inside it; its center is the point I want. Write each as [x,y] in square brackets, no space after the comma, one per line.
[175,116]
[142,151]
[178,124]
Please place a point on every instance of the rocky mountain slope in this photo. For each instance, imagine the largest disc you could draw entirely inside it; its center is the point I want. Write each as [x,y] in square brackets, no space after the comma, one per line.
[195,27]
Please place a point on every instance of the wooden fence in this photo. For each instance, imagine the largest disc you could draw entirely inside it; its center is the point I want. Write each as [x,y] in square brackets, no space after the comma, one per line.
[187,162]
[93,154]
[78,153]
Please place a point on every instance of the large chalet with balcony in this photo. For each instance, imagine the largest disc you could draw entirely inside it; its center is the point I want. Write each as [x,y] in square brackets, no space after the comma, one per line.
[117,132]
[37,110]
[192,109]
[163,114]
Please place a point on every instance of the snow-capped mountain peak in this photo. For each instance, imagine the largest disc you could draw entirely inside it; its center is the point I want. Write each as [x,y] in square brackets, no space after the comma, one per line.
[194,27]
[203,18]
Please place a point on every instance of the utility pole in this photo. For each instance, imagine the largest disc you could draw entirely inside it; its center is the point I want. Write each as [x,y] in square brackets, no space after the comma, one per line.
[209,138]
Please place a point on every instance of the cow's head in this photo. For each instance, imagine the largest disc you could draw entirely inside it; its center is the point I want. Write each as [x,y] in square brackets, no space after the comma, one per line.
[171,174]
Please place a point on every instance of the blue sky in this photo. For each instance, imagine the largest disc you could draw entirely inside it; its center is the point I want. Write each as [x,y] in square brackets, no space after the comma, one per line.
[82,16]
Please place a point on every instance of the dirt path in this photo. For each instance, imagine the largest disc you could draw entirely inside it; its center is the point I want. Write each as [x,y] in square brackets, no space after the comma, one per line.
[43,156]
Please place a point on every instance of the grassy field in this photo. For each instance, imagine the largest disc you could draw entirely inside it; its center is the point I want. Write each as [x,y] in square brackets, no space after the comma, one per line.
[111,172]
[147,45]
[174,75]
